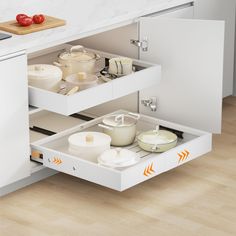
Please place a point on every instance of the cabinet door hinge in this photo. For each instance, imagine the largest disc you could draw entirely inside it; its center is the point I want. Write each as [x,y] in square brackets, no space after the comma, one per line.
[143,44]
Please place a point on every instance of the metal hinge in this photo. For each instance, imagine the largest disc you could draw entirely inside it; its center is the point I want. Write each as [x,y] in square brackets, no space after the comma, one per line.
[143,44]
[151,103]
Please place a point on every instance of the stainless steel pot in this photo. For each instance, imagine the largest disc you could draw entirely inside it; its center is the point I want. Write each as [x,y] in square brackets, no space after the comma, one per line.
[77,60]
[121,128]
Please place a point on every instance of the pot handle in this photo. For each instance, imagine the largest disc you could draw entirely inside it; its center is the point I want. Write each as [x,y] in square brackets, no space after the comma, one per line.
[77,48]
[120,118]
[105,127]
[154,148]
[59,64]
[134,115]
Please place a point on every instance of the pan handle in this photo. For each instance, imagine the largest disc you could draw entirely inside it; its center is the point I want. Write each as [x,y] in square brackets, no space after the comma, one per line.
[59,64]
[155,148]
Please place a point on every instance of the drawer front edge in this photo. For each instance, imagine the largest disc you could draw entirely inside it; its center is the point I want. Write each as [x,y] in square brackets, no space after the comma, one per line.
[171,159]
[79,168]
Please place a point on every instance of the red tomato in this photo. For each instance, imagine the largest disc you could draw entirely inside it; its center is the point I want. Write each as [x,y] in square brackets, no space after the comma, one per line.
[20,16]
[38,19]
[26,21]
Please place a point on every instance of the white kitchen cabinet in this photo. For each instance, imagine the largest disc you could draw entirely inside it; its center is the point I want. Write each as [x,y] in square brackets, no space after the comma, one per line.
[190,53]
[189,95]
[14,135]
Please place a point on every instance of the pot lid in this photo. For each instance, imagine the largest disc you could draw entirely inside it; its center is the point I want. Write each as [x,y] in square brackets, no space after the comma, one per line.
[121,120]
[78,53]
[118,157]
[89,139]
[157,137]
[43,71]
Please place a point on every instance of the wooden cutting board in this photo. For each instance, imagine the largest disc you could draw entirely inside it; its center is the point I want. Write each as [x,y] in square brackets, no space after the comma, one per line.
[15,28]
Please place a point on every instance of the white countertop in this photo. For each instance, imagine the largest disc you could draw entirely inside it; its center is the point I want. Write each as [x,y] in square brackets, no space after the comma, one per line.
[84,17]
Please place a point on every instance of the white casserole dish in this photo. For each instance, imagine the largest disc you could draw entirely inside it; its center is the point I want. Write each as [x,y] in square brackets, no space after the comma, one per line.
[44,76]
[89,145]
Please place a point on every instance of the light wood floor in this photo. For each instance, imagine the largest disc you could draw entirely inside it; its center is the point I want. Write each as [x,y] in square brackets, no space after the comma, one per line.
[198,198]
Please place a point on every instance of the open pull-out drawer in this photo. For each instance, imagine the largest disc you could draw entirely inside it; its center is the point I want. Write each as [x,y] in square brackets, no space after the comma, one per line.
[55,154]
[145,75]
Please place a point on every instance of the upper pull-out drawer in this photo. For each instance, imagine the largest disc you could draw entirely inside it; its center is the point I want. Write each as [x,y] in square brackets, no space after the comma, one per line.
[145,75]
[56,155]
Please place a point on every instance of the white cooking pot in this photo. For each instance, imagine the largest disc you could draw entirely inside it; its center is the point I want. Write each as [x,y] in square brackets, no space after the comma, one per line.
[77,60]
[89,145]
[44,76]
[121,128]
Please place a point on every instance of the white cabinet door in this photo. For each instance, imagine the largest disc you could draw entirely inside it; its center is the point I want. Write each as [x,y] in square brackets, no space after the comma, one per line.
[222,10]
[14,133]
[191,55]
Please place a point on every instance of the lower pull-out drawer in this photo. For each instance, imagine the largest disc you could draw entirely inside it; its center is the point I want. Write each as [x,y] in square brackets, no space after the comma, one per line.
[145,75]
[55,154]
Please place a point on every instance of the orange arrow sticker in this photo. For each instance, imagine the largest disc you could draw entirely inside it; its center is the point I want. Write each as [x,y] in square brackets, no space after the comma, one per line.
[183,156]
[57,161]
[149,170]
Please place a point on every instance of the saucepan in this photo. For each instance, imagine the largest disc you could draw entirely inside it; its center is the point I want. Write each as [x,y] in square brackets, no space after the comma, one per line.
[77,60]
[121,128]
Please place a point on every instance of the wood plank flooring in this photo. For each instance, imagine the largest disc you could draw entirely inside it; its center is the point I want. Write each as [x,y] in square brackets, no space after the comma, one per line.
[197,199]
